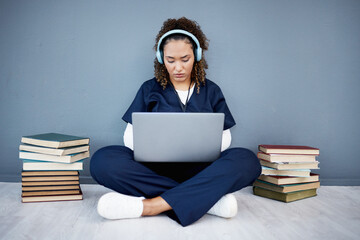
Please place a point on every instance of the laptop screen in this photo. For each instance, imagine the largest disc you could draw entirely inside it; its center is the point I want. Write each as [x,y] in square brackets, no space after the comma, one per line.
[177,137]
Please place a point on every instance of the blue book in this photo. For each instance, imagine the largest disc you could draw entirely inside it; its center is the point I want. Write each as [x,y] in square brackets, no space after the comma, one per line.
[55,140]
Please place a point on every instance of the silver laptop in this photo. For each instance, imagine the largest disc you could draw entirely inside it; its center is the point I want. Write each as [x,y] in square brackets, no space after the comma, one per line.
[177,137]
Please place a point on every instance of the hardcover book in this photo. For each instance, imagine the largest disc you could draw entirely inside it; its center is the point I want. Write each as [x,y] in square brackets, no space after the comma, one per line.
[50,183]
[49,173]
[48,188]
[50,193]
[49,178]
[55,140]
[32,165]
[291,165]
[288,149]
[286,188]
[54,151]
[286,157]
[284,197]
[293,173]
[52,158]
[280,180]
[49,198]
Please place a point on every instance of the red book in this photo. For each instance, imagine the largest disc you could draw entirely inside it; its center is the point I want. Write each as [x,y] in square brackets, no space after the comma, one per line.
[289,149]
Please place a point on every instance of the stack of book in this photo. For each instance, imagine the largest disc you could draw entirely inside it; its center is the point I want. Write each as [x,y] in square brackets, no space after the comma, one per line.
[286,172]
[51,165]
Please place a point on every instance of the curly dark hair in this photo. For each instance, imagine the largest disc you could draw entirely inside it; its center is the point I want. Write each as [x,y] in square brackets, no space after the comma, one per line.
[198,72]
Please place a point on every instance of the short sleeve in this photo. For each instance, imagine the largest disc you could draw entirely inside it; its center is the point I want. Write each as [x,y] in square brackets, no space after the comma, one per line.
[138,105]
[220,106]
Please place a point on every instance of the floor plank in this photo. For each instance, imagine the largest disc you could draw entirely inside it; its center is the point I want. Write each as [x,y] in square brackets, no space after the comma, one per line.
[333,214]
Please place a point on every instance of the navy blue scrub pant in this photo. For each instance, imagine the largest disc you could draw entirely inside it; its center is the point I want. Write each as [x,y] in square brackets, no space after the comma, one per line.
[191,189]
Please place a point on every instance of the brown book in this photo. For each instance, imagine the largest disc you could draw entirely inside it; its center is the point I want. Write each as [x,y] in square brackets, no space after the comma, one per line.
[69,197]
[280,180]
[286,188]
[50,178]
[293,173]
[286,157]
[47,188]
[284,197]
[289,166]
[50,193]
[52,183]
[288,149]
[49,173]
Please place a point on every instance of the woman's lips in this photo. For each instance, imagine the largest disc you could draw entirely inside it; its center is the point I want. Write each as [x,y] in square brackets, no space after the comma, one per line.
[179,75]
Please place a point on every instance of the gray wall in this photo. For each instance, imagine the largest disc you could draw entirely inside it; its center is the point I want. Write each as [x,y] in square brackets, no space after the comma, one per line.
[289,70]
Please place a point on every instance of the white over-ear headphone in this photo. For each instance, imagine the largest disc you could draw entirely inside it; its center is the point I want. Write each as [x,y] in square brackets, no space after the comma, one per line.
[197,51]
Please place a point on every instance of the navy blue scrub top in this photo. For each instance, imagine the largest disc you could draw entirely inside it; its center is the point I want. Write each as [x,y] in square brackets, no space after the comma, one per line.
[152,98]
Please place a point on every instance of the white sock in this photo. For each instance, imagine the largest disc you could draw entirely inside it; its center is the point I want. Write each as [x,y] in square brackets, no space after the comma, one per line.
[118,206]
[226,207]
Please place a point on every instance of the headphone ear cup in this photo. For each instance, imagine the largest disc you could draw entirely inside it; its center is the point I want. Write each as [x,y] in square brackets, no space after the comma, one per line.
[198,54]
[159,57]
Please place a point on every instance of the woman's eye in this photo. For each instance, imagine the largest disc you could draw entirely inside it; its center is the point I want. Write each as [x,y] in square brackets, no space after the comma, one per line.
[170,61]
[186,60]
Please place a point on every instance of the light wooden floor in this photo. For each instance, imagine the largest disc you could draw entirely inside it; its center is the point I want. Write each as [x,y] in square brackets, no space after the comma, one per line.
[333,214]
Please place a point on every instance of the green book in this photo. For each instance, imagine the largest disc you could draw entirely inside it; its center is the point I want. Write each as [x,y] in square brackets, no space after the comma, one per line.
[55,140]
[284,197]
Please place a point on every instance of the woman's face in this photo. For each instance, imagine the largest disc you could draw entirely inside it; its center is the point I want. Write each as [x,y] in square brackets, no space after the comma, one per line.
[179,60]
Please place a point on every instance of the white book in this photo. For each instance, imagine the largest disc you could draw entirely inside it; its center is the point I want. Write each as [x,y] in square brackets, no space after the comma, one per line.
[32,165]
[54,151]
[293,172]
[53,158]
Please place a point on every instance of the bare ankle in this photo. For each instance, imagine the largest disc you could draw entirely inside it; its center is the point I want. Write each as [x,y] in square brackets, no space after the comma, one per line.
[155,206]
[147,210]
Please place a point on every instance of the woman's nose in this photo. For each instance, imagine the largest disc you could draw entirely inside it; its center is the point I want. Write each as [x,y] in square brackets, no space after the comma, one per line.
[178,66]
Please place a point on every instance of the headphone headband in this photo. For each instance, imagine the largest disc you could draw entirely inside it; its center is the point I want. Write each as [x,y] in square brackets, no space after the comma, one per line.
[197,51]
